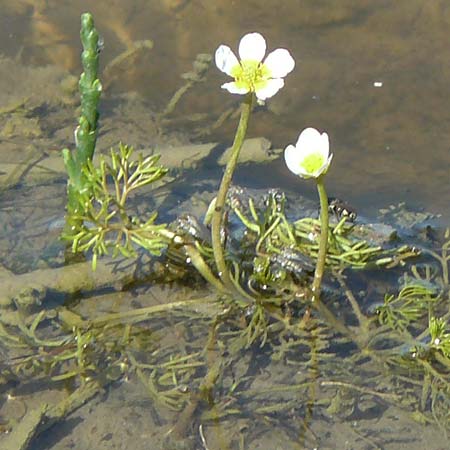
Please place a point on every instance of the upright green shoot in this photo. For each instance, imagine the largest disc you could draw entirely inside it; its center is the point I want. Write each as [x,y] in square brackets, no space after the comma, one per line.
[86,132]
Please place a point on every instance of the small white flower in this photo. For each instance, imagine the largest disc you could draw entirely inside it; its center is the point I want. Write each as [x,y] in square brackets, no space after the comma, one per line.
[251,73]
[310,157]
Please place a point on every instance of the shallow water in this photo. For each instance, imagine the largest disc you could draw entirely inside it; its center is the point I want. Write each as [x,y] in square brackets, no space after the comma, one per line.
[390,145]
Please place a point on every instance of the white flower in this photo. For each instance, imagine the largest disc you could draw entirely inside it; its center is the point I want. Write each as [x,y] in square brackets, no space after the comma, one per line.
[310,158]
[251,73]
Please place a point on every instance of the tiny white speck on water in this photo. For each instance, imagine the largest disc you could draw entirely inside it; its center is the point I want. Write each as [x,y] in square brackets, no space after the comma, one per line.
[378,84]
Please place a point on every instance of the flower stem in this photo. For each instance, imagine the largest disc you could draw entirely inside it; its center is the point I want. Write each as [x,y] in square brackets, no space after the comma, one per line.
[323,243]
[320,265]
[217,215]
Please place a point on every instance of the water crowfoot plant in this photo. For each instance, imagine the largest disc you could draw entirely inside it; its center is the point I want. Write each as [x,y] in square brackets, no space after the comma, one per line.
[252,77]
[107,226]
[311,158]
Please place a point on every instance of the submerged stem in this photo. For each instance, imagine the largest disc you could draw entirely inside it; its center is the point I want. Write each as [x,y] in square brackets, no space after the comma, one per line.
[320,267]
[199,263]
[323,243]
[217,216]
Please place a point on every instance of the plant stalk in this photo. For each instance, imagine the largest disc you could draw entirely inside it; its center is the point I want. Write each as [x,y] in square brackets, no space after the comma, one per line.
[86,131]
[323,243]
[217,215]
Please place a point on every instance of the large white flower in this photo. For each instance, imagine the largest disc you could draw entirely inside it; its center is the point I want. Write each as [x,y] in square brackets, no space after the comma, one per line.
[251,73]
[310,157]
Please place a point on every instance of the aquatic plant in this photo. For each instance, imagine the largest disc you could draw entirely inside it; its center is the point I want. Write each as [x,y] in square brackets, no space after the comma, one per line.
[102,223]
[252,77]
[86,132]
[310,158]
[106,226]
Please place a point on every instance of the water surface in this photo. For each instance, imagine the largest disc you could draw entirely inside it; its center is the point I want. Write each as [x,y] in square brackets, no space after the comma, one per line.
[390,142]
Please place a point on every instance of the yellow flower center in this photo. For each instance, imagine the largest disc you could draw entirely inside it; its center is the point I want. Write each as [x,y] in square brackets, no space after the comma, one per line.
[313,162]
[250,74]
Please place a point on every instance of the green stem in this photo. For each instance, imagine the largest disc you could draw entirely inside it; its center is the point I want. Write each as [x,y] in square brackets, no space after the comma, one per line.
[196,259]
[86,131]
[199,263]
[90,90]
[217,215]
[323,243]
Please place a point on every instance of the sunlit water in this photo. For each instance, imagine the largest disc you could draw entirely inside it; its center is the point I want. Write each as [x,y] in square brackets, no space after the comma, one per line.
[374,75]
[390,142]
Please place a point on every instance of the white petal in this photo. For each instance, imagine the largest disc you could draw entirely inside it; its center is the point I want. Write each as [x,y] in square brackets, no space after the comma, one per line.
[225,59]
[252,46]
[312,140]
[231,87]
[327,164]
[291,156]
[271,88]
[279,62]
